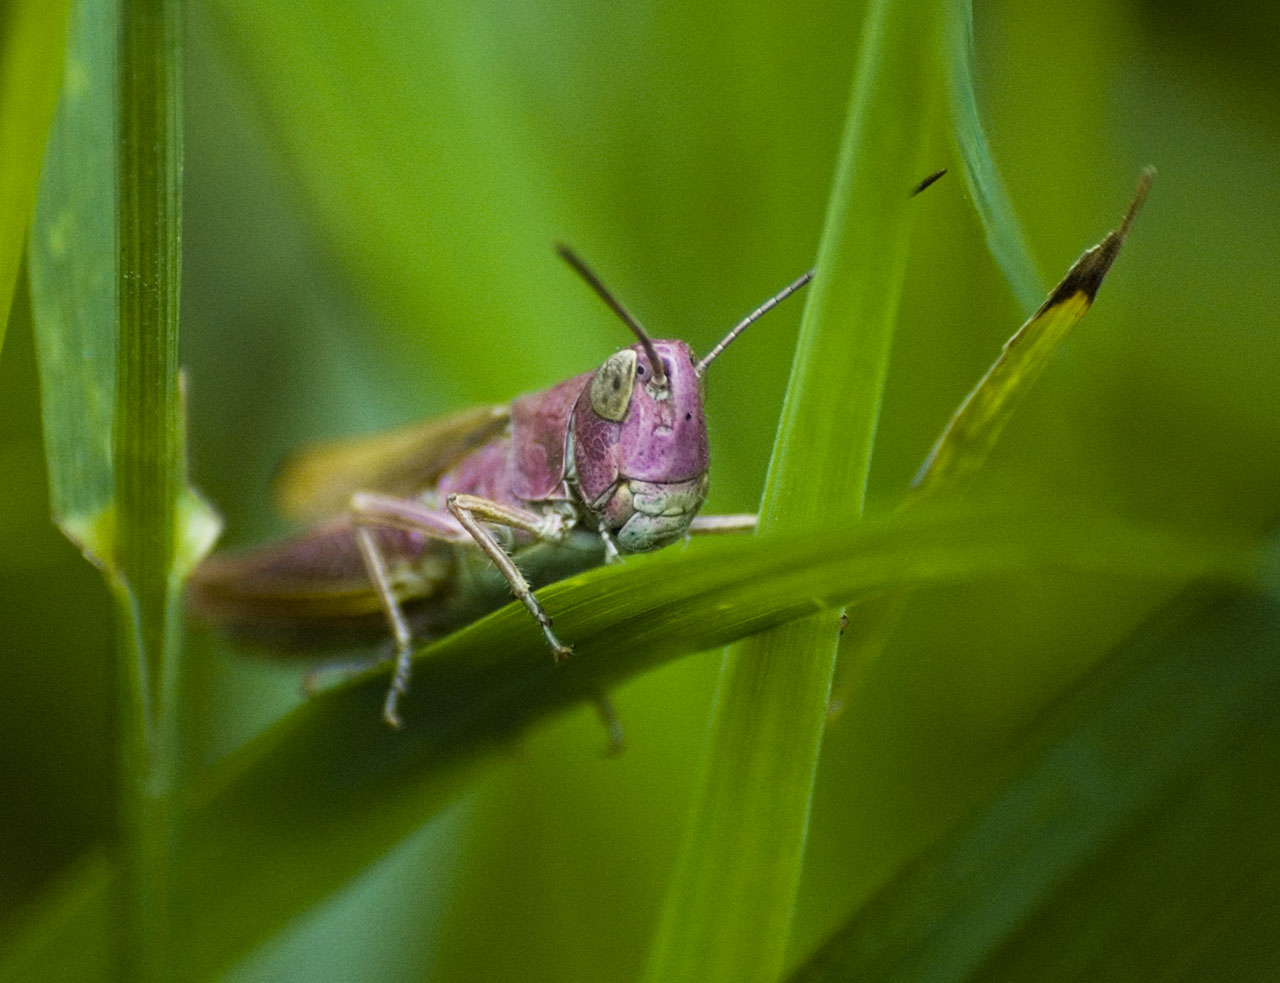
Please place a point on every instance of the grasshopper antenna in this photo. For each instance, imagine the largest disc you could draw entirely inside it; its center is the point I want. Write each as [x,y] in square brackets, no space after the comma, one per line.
[603,292]
[750,319]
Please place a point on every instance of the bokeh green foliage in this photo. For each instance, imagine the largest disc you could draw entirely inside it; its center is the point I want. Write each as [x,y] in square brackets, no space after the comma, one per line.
[371,193]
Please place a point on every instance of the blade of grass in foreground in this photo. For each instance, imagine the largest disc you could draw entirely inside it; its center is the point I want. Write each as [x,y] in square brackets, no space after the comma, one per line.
[1136,841]
[149,470]
[104,271]
[146,471]
[332,781]
[32,39]
[728,909]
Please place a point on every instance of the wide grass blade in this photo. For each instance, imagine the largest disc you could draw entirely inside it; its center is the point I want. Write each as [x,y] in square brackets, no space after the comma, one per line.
[67,933]
[73,285]
[330,780]
[32,38]
[1138,833]
[729,905]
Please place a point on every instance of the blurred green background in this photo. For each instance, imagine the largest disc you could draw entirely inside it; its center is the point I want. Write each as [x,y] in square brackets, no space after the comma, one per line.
[371,193]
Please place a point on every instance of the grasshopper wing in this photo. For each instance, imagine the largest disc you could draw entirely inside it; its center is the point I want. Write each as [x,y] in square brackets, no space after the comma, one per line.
[318,481]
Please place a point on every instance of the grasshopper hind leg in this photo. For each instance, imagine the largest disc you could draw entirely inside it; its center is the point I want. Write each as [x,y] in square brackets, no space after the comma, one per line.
[400,632]
[461,523]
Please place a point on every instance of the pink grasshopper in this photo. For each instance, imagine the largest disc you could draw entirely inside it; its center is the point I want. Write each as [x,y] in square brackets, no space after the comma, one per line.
[609,462]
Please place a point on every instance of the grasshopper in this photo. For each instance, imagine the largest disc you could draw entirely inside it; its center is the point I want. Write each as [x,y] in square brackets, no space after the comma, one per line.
[410,526]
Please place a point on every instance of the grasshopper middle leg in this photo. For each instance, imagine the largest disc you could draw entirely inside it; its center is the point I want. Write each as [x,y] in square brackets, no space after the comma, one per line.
[368,512]
[381,580]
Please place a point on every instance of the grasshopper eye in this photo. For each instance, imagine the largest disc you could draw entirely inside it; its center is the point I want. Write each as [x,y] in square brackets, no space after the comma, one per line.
[612,384]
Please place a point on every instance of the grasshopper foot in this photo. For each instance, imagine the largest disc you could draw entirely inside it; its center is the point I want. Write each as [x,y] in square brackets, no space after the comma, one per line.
[559,650]
[399,685]
[611,554]
[391,709]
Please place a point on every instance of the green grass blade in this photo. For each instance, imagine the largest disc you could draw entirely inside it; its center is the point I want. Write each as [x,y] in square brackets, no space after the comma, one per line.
[973,431]
[1139,832]
[729,904]
[105,268]
[331,781]
[32,39]
[149,473]
[1005,239]
[73,285]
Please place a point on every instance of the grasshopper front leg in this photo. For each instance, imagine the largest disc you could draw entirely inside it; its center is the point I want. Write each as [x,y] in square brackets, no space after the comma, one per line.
[461,524]
[467,509]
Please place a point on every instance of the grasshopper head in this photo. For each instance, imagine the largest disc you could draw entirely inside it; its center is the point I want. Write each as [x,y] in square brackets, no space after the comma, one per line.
[639,435]
[640,444]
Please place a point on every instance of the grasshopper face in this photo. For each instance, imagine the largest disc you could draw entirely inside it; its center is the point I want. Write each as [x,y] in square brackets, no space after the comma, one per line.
[640,445]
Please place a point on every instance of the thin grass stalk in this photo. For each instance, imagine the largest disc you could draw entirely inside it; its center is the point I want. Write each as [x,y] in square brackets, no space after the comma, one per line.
[147,452]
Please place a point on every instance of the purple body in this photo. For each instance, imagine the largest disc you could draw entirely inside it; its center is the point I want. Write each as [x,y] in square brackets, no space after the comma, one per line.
[639,478]
[539,423]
